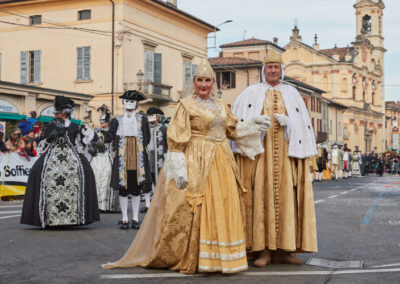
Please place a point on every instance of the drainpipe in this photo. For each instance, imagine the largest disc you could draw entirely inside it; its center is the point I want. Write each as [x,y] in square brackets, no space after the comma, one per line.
[112,57]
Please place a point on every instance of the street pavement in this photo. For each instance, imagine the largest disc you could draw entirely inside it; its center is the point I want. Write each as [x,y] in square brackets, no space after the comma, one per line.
[358,223]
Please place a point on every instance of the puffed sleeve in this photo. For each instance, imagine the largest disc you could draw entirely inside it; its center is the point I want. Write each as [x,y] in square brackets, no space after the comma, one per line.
[231,123]
[179,131]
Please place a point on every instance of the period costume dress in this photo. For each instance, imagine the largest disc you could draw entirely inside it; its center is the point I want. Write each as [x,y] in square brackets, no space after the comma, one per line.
[61,188]
[357,161]
[130,135]
[200,228]
[279,203]
[101,162]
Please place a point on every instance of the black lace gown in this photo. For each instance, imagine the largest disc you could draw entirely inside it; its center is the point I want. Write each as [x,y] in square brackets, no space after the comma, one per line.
[61,188]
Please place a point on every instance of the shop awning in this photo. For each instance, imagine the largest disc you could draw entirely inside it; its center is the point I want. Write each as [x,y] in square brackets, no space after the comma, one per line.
[13,116]
[43,118]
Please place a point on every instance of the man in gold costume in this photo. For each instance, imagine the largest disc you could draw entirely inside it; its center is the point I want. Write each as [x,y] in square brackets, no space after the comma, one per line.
[280,214]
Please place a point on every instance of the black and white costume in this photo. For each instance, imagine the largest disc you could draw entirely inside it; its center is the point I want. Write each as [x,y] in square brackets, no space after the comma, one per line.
[131,174]
[102,165]
[158,143]
[61,188]
[322,159]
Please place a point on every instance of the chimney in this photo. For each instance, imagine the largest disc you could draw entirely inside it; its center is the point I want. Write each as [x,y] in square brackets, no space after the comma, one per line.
[335,53]
[295,34]
[347,57]
[173,2]
[275,39]
[316,45]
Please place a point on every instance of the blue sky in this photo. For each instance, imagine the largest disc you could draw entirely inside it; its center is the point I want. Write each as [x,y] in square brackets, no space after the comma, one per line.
[333,21]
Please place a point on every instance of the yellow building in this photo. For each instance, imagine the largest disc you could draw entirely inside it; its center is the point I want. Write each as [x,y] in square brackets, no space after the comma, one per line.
[69,45]
[392,125]
[352,76]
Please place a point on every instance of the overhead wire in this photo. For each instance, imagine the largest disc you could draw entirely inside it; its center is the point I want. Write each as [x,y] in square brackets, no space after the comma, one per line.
[50,22]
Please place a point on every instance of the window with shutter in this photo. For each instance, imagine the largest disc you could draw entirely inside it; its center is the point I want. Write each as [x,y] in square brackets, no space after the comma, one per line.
[24,67]
[35,20]
[36,66]
[83,63]
[84,15]
[157,73]
[148,68]
[187,73]
[194,68]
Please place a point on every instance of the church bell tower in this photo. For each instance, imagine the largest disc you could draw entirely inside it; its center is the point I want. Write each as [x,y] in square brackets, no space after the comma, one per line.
[369,15]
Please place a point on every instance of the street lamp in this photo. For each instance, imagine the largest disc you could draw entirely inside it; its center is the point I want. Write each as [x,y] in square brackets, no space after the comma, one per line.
[215,31]
[140,78]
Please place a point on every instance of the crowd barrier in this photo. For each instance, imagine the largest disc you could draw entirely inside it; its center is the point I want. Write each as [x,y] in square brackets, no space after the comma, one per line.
[14,172]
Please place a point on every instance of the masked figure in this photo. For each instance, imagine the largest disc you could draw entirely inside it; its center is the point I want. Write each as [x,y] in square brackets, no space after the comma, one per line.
[131,175]
[101,164]
[61,189]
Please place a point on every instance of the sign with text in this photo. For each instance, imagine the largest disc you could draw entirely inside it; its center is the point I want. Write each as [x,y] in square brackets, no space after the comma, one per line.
[14,173]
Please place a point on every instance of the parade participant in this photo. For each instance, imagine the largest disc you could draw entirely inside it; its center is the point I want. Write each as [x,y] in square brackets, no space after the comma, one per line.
[195,219]
[102,164]
[357,162]
[347,158]
[157,147]
[61,188]
[280,203]
[337,160]
[322,159]
[131,176]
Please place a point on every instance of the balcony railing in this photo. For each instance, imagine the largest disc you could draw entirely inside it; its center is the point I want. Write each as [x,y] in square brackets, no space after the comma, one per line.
[157,92]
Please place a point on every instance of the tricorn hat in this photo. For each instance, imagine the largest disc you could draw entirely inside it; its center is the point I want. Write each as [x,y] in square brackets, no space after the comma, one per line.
[105,113]
[154,110]
[133,95]
[61,103]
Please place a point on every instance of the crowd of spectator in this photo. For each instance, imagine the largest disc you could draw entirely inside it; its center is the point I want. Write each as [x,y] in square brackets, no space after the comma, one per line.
[380,163]
[24,139]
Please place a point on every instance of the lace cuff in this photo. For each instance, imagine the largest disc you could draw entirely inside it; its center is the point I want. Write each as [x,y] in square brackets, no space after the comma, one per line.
[249,139]
[88,135]
[42,147]
[175,166]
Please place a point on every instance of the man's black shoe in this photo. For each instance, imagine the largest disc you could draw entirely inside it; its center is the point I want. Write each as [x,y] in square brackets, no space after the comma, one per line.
[135,225]
[144,209]
[124,226]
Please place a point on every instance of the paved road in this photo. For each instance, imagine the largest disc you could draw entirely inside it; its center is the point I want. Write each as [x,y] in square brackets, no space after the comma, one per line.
[358,220]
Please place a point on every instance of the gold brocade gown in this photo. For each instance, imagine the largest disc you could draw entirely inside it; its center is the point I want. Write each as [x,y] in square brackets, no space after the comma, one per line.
[200,228]
[279,203]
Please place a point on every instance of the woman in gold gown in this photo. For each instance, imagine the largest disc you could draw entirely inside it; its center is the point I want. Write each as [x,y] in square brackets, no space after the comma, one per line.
[196,218]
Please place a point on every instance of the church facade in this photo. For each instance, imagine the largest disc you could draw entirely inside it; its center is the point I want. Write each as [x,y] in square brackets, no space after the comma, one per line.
[352,76]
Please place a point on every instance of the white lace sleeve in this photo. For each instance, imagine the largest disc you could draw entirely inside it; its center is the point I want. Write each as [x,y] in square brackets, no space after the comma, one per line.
[175,166]
[249,138]
[42,147]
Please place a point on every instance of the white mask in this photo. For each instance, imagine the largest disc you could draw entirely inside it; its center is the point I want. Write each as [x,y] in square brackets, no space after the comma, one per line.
[152,118]
[129,104]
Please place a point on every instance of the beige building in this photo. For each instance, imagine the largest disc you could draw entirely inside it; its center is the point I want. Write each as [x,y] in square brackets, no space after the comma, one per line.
[69,45]
[18,100]
[352,76]
[392,125]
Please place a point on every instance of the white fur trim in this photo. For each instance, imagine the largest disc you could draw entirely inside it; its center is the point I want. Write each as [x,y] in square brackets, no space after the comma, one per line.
[248,138]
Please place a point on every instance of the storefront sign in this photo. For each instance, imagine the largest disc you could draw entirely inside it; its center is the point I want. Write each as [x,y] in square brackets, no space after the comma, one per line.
[7,107]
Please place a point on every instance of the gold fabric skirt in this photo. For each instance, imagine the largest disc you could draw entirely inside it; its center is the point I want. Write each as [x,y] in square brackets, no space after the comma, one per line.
[191,232]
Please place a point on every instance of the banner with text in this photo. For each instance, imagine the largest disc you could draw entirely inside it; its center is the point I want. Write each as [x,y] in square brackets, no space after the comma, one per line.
[14,172]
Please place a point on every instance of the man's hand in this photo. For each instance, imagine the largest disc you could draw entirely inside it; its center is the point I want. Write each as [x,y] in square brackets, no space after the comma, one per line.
[263,121]
[282,119]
